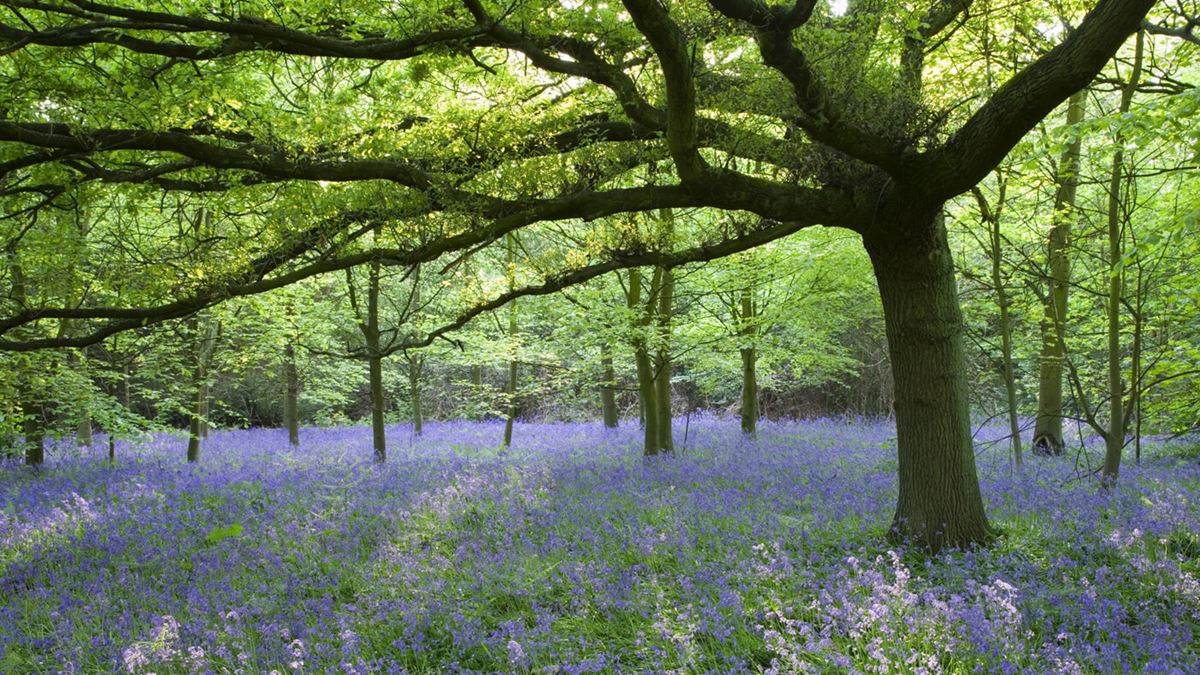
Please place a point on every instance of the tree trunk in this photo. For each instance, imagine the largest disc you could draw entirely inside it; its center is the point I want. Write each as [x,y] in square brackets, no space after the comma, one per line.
[123,397]
[645,369]
[992,218]
[193,446]
[202,353]
[378,433]
[83,413]
[608,394]
[1114,441]
[33,426]
[939,503]
[415,364]
[203,403]
[375,362]
[511,389]
[1135,378]
[32,413]
[1048,430]
[662,364]
[749,353]
[291,400]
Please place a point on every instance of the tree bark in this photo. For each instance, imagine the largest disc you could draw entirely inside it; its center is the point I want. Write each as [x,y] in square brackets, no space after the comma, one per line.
[83,413]
[378,431]
[608,394]
[202,354]
[662,364]
[1114,441]
[992,218]
[939,503]
[124,397]
[415,366]
[1048,429]
[291,401]
[375,363]
[511,388]
[31,405]
[748,332]
[641,359]
[33,426]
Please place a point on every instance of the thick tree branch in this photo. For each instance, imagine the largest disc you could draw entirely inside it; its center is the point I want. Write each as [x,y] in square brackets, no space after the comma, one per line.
[100,23]
[822,117]
[1023,101]
[800,206]
[668,43]
[1186,32]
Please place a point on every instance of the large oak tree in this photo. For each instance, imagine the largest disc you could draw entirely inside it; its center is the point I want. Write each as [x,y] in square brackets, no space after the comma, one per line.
[455,124]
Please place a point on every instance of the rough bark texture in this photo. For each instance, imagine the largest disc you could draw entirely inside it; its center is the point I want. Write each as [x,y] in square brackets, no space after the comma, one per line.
[1048,429]
[939,503]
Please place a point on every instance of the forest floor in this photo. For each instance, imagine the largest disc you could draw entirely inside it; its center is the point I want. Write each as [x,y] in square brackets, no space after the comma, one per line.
[571,554]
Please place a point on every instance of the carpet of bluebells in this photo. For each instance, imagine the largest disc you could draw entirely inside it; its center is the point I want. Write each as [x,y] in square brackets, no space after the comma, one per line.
[570,554]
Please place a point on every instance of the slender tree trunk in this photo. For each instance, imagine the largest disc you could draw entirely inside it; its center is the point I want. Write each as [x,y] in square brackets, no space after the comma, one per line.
[749,353]
[939,502]
[1048,429]
[123,397]
[608,394]
[511,389]
[647,394]
[202,354]
[645,369]
[193,447]
[202,401]
[1114,442]
[375,364]
[415,366]
[33,426]
[662,364]
[992,218]
[32,414]
[291,400]
[1135,377]
[83,413]
[476,376]
[378,432]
